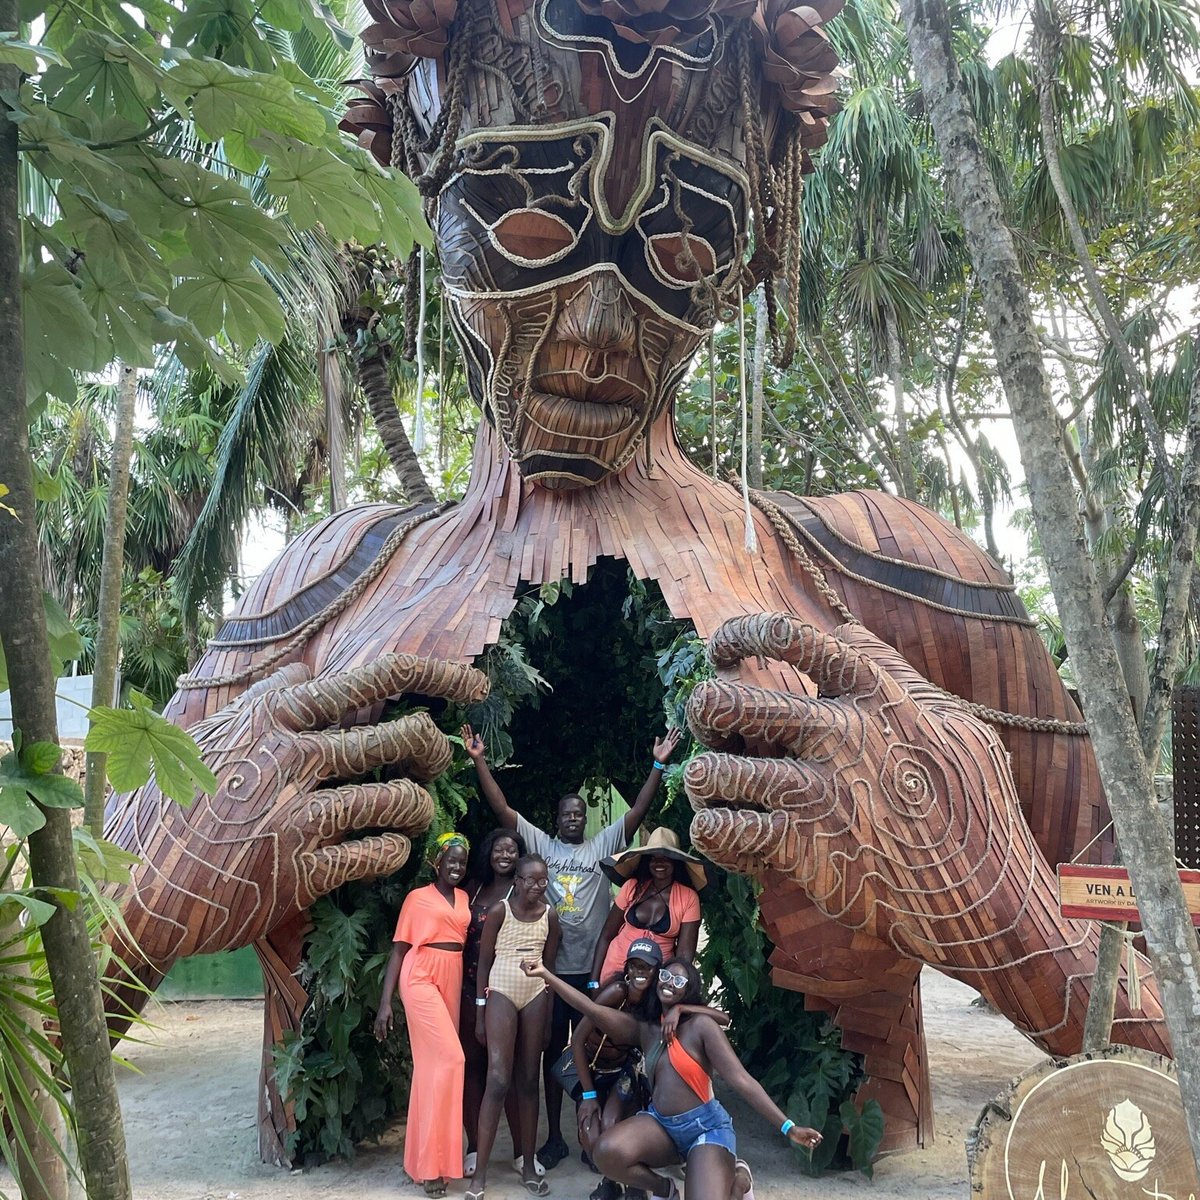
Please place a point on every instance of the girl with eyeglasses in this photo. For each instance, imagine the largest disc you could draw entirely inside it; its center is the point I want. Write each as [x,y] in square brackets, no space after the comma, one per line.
[512,1015]
[685,1122]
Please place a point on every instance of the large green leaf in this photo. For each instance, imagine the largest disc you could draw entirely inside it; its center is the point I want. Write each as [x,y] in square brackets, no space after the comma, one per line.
[229,296]
[224,99]
[319,189]
[40,911]
[26,775]
[60,334]
[138,740]
[401,218]
[100,79]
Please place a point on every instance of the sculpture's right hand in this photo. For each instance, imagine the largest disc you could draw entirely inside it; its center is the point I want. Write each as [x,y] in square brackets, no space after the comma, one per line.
[295,795]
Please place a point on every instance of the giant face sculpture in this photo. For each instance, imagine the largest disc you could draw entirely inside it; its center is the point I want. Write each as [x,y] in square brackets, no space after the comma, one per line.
[592,215]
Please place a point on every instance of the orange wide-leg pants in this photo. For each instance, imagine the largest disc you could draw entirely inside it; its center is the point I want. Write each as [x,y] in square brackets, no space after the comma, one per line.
[431,989]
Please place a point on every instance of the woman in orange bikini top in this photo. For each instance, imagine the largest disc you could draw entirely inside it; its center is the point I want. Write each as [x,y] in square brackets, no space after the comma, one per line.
[684,1123]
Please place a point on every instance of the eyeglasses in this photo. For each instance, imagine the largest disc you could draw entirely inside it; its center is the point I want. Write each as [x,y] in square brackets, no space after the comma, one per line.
[665,976]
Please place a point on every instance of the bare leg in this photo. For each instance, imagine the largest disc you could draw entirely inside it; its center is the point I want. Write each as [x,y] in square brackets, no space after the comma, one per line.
[553,1150]
[629,1151]
[710,1173]
[500,1025]
[531,1037]
[615,1110]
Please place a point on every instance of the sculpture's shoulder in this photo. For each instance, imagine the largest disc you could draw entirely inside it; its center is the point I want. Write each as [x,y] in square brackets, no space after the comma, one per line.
[311,574]
[316,568]
[883,545]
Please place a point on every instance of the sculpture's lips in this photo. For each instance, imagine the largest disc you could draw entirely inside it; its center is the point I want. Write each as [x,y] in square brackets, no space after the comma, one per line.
[584,420]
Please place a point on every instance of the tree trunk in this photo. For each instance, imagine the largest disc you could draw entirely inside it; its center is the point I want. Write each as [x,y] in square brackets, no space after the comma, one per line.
[31,689]
[1126,776]
[377,387]
[112,570]
[908,479]
[1047,41]
[329,374]
[42,1172]
[756,393]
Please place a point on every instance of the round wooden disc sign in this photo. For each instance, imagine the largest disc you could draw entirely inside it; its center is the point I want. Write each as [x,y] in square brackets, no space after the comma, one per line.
[1104,1126]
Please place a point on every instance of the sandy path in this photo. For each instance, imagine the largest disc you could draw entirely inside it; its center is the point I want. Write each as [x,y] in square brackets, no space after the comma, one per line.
[190,1117]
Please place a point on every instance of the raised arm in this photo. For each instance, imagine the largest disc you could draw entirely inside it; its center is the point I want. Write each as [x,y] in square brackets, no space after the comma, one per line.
[662,751]
[473,744]
[727,1064]
[612,924]
[619,1026]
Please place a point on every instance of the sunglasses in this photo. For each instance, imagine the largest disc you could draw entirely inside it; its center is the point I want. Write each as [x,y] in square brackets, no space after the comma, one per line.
[665,976]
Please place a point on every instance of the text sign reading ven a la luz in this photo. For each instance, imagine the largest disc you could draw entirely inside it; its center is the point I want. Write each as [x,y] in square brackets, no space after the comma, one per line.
[1105,893]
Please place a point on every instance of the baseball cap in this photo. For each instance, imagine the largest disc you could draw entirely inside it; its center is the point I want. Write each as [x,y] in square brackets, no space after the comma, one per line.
[645,950]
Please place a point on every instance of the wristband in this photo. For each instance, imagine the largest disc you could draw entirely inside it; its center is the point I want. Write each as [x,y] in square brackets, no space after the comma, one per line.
[786,1126]
[588,1096]
[480,1001]
[659,766]
[593,985]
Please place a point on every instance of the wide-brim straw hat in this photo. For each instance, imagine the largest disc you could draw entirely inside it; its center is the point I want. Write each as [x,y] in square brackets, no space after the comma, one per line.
[661,843]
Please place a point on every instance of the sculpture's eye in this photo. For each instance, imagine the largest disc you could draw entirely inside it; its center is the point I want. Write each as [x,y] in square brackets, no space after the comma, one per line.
[533,238]
[681,260]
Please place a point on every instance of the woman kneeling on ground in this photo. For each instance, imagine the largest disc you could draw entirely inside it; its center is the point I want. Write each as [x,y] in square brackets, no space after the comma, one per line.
[611,1086]
[513,1014]
[684,1123]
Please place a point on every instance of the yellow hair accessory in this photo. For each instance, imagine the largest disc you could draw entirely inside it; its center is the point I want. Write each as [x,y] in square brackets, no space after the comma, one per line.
[447,841]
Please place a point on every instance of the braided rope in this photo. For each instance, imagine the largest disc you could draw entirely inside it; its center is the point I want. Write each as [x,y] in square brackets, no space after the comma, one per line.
[337,605]
[992,716]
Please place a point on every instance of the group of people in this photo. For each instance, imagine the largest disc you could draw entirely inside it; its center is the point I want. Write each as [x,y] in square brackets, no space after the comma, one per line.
[471,958]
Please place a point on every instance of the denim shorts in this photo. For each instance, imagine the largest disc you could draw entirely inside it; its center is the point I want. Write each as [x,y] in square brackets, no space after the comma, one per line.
[705,1125]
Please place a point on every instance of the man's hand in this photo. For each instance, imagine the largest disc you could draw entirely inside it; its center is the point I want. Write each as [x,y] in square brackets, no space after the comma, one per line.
[665,746]
[473,744]
[287,824]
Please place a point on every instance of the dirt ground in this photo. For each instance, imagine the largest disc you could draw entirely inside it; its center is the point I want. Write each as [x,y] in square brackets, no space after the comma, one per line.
[190,1117]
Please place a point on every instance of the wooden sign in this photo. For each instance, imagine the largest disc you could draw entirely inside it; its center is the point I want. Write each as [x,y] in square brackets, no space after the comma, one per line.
[1106,894]
[1103,1126]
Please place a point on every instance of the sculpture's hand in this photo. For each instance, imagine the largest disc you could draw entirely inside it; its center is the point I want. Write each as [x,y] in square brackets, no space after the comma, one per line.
[883,797]
[283,827]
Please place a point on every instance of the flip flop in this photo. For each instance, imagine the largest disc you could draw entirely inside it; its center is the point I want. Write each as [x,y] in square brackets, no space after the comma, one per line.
[519,1165]
[476,1194]
[536,1187]
[435,1187]
[741,1168]
[469,1165]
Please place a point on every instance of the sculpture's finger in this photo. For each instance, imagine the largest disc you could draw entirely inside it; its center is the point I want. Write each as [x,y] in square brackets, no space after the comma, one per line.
[414,743]
[398,804]
[288,676]
[837,668]
[733,716]
[772,784]
[326,701]
[748,842]
[321,871]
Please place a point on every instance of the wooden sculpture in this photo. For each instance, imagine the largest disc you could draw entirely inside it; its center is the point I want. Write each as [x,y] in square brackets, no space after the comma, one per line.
[606,179]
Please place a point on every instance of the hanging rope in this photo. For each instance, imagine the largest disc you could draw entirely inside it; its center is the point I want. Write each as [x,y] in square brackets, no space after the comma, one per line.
[751,534]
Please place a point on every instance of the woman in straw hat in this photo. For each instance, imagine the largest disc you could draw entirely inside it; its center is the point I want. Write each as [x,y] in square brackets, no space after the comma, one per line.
[659,899]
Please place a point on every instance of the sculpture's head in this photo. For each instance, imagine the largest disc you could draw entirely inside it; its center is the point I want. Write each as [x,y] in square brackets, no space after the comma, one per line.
[598,172]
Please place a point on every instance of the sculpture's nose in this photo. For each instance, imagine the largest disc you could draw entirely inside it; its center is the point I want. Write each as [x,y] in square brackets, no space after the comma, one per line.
[599,316]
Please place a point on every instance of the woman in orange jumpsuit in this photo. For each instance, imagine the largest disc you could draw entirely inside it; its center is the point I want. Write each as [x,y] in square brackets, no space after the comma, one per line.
[427,961]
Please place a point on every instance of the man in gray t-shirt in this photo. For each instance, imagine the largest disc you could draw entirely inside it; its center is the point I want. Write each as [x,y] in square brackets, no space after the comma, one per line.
[579,891]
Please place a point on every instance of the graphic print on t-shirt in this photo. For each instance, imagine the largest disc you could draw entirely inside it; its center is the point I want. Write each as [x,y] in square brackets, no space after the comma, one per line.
[567,886]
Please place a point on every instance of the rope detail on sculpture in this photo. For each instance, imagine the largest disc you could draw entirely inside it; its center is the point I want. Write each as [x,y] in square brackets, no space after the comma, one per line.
[993,716]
